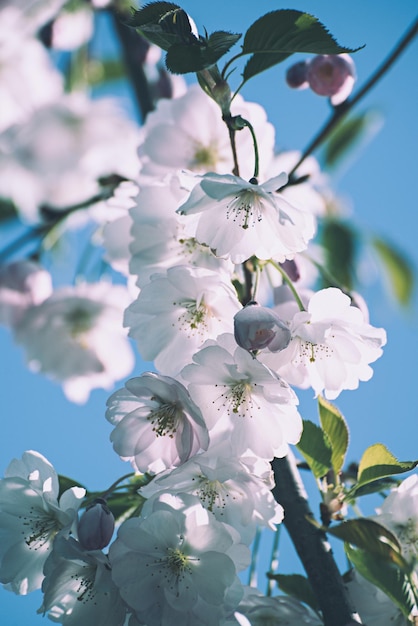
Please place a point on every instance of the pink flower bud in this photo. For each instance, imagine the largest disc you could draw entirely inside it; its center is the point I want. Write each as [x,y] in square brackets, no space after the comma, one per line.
[256,327]
[332,75]
[296,75]
[96,526]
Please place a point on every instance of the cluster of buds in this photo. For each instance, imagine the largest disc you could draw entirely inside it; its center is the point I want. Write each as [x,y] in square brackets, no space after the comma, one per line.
[331,75]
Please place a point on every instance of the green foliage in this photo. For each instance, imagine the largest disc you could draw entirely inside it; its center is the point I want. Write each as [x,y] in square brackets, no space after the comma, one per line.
[7,210]
[315,447]
[278,34]
[297,586]
[391,580]
[372,537]
[335,427]
[377,462]
[66,483]
[340,243]
[397,269]
[199,54]
[347,134]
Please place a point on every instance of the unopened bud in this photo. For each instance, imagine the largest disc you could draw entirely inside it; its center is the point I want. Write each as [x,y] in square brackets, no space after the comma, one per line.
[257,327]
[331,75]
[96,526]
[296,75]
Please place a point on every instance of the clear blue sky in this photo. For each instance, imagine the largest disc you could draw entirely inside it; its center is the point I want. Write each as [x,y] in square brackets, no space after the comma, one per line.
[383,187]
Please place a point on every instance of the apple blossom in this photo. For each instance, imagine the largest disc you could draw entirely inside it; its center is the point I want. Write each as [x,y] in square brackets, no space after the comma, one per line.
[22,284]
[188,133]
[243,401]
[175,566]
[84,324]
[177,311]
[224,486]
[331,345]
[240,219]
[78,587]
[31,515]
[157,425]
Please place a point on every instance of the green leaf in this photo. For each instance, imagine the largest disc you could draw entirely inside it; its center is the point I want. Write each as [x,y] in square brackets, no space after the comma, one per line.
[163,23]
[125,505]
[297,586]
[278,34]
[200,54]
[378,462]
[105,70]
[397,268]
[373,537]
[7,210]
[334,425]
[377,486]
[340,243]
[392,581]
[348,134]
[66,483]
[315,447]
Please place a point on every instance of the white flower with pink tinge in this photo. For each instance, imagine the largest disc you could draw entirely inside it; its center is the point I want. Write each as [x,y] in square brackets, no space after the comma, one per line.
[331,344]
[240,219]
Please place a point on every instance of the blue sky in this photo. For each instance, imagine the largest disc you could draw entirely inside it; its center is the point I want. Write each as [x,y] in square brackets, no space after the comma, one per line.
[382,187]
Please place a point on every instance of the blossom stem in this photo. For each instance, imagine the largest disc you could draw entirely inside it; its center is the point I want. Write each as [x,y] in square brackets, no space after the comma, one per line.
[274,558]
[289,283]
[311,545]
[256,153]
[340,111]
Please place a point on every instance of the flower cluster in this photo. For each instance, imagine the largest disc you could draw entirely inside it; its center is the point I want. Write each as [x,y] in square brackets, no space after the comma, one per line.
[203,217]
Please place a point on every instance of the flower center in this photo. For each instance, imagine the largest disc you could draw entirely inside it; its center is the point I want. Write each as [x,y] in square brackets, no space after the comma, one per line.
[310,352]
[205,157]
[408,536]
[85,584]
[193,316]
[177,562]
[246,208]
[237,399]
[164,419]
[39,530]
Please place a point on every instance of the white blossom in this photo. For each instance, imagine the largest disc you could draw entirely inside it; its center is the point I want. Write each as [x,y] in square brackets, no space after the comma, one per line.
[22,284]
[177,566]
[74,335]
[78,587]
[30,517]
[331,345]
[243,401]
[157,425]
[226,487]
[188,133]
[177,311]
[240,219]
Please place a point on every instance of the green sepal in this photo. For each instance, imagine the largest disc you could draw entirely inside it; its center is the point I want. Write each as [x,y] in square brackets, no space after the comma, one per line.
[393,581]
[378,462]
[298,587]
[278,34]
[315,447]
[334,425]
[372,537]
[397,269]
[199,54]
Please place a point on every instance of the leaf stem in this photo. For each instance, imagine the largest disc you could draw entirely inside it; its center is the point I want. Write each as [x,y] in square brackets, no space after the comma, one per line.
[342,110]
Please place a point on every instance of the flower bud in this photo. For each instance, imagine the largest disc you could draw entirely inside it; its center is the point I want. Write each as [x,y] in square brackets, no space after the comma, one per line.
[256,327]
[96,526]
[331,75]
[296,75]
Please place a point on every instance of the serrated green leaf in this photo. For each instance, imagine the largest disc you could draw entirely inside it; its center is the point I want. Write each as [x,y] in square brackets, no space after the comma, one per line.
[198,55]
[315,447]
[340,242]
[378,462]
[334,424]
[397,268]
[392,581]
[163,24]
[298,587]
[278,34]
[377,486]
[373,537]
